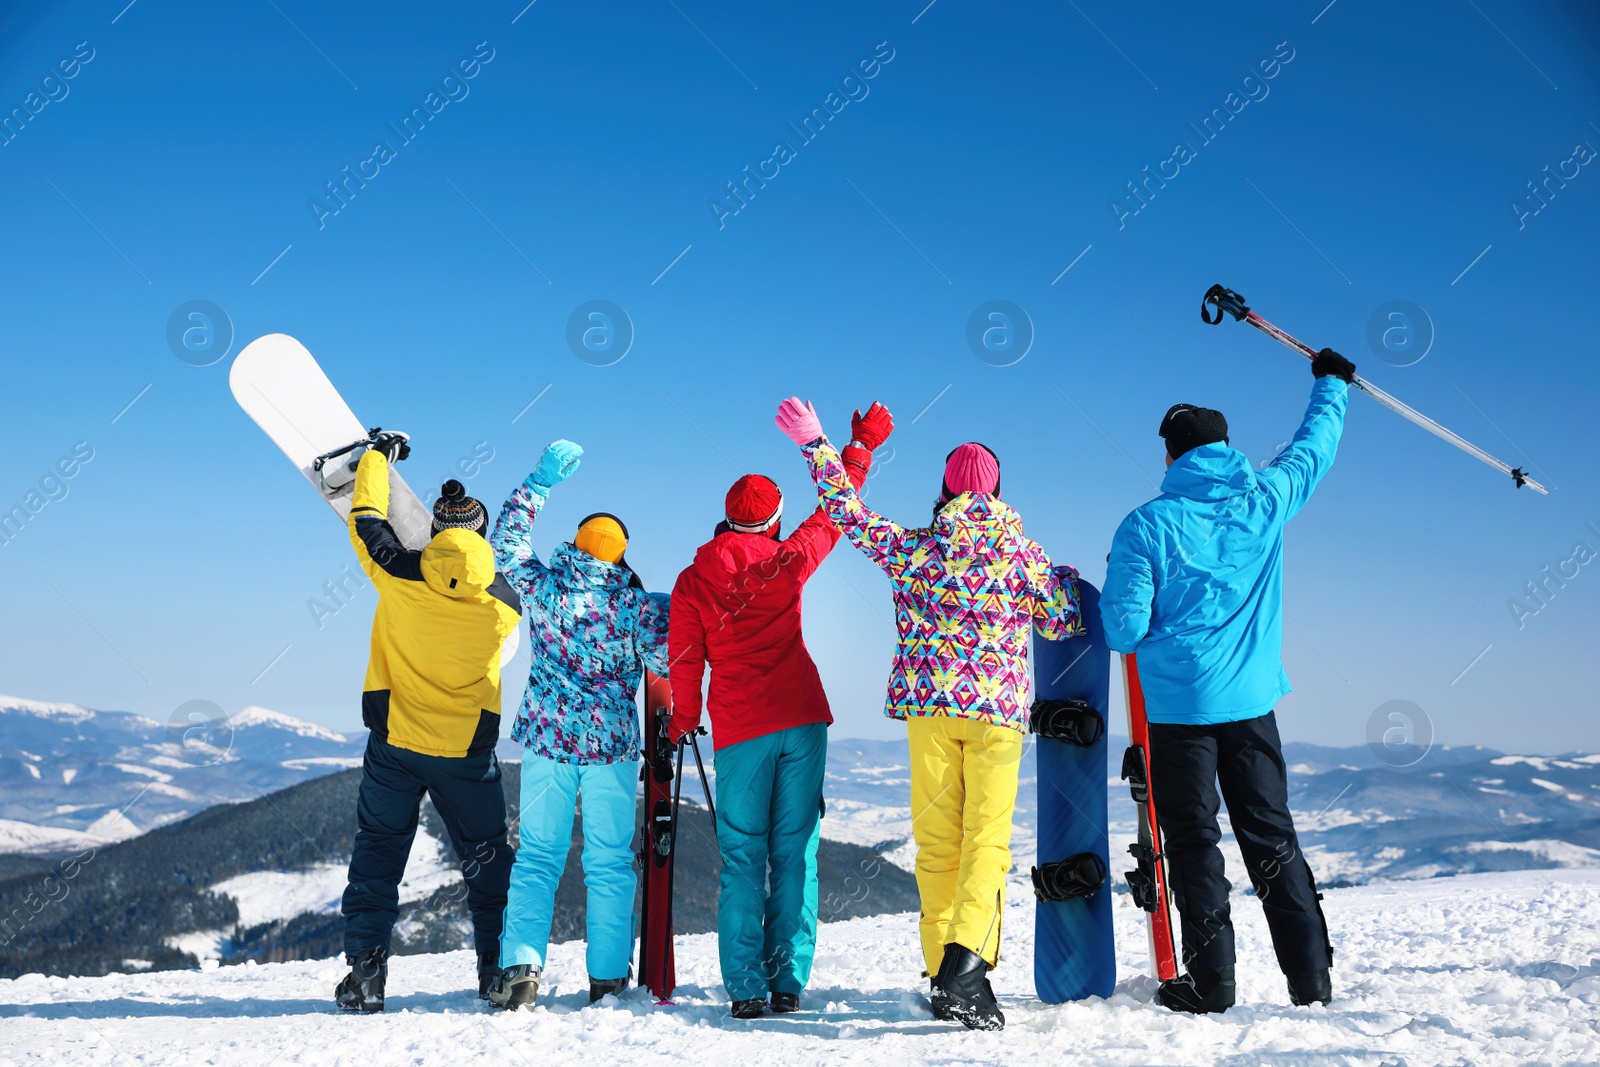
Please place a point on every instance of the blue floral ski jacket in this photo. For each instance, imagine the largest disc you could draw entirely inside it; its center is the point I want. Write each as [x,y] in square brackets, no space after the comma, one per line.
[593,634]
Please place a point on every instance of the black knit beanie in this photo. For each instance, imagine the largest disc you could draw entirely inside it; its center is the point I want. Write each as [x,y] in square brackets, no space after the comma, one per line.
[1186,426]
[455,510]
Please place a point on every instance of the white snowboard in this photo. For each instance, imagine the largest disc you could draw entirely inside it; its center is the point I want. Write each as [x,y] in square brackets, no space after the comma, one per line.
[279,384]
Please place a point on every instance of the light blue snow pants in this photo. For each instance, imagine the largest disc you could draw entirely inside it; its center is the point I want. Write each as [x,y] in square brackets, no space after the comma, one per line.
[769,820]
[550,793]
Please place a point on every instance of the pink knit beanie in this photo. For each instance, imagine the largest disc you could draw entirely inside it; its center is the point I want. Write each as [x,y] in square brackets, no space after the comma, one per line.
[972,468]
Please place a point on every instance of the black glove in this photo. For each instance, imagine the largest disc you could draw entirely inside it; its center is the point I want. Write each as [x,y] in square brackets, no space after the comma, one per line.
[1330,364]
[394,445]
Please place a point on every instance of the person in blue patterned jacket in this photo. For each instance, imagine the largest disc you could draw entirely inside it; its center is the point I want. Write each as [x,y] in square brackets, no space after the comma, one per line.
[594,630]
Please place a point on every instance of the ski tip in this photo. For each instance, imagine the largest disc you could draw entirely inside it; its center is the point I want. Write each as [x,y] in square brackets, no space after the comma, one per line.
[666,1003]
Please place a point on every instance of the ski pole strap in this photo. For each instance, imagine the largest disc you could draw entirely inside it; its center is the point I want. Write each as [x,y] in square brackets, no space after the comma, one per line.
[1071,878]
[1075,722]
[1222,299]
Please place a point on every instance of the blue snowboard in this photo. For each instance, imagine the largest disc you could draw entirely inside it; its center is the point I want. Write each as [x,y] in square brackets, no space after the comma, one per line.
[1074,956]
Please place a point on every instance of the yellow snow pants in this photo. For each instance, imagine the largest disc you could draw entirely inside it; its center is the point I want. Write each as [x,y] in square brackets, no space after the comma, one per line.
[963,792]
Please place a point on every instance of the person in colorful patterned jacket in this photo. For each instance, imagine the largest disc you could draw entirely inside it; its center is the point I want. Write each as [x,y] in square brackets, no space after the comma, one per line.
[967,592]
[737,609]
[594,631]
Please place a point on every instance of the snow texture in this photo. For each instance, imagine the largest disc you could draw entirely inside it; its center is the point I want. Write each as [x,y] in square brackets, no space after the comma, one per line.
[1479,969]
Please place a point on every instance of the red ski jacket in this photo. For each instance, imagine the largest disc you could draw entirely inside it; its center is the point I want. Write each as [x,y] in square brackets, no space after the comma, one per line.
[737,608]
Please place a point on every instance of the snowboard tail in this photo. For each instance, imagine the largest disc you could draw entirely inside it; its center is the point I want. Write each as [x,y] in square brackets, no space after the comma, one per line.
[658,838]
[279,384]
[1148,880]
[1074,951]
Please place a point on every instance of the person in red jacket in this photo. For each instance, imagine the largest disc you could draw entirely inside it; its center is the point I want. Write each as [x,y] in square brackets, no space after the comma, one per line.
[737,608]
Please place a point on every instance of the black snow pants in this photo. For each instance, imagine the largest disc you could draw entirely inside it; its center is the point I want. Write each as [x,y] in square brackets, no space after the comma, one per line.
[467,794]
[1186,765]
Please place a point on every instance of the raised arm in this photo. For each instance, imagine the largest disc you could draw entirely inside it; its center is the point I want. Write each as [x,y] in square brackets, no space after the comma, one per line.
[376,544]
[805,549]
[513,530]
[1299,467]
[873,534]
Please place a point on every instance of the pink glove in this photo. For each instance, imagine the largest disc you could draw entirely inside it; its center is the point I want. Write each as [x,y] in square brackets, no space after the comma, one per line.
[798,419]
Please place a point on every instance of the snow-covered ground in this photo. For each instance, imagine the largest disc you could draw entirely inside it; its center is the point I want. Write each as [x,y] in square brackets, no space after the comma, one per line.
[1478,969]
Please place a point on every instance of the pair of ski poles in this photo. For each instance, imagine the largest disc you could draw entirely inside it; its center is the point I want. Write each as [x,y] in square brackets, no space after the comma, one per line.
[1223,299]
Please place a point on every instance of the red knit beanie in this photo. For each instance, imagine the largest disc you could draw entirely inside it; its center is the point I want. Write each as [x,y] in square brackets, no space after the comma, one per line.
[754,504]
[972,468]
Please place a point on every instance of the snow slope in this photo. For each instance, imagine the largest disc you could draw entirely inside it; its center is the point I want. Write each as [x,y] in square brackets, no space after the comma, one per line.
[1477,969]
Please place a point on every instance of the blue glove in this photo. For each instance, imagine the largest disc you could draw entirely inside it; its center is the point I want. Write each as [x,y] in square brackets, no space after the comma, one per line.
[560,459]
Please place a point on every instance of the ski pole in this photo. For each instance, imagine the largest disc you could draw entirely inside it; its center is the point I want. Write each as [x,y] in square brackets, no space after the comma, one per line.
[705,786]
[672,850]
[1224,299]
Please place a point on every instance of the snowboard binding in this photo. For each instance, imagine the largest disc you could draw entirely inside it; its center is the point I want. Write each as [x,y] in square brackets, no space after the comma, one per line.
[1075,722]
[1070,879]
[336,469]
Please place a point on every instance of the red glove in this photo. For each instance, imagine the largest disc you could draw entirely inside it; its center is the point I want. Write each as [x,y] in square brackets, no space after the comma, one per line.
[873,428]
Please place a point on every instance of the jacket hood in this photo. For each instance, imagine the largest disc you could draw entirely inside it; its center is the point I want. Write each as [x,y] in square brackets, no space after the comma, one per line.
[575,567]
[458,563]
[978,526]
[730,554]
[1209,472]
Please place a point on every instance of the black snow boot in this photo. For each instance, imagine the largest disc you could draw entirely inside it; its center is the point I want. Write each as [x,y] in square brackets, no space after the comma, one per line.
[748,1009]
[1312,987]
[964,985]
[607,987]
[362,988]
[785,1003]
[939,1002]
[1200,992]
[515,986]
[488,970]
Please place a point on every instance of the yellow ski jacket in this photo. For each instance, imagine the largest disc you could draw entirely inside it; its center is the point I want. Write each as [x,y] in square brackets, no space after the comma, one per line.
[433,675]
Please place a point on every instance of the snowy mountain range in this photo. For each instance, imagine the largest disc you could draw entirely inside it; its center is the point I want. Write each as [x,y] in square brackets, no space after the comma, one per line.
[71,776]
[267,886]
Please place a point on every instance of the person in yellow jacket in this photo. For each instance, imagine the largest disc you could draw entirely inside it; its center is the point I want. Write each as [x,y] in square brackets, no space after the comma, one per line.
[431,704]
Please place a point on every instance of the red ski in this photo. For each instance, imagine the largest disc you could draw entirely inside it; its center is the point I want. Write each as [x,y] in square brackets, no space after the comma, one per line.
[658,837]
[1148,882]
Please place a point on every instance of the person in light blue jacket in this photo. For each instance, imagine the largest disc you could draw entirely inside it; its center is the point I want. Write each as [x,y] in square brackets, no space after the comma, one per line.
[594,632]
[1194,585]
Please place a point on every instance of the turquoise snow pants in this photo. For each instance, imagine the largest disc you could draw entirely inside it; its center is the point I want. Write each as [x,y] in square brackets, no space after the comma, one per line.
[769,820]
[550,793]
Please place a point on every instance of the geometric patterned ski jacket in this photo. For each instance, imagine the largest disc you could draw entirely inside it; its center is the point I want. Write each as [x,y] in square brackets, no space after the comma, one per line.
[967,593]
[593,634]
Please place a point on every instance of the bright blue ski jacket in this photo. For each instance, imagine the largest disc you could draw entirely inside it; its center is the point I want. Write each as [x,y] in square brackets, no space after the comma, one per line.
[1195,580]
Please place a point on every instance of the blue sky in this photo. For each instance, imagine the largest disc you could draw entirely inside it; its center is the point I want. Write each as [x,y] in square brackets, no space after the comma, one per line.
[1379,161]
